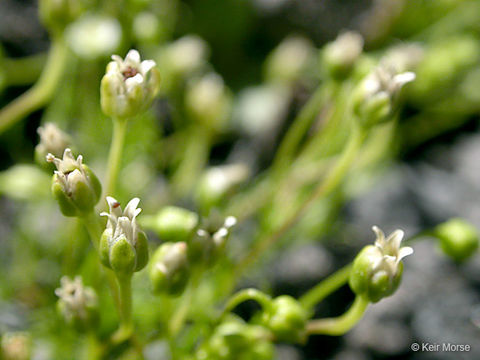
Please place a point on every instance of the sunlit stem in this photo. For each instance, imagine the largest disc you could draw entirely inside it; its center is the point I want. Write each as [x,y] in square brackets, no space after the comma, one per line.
[115,155]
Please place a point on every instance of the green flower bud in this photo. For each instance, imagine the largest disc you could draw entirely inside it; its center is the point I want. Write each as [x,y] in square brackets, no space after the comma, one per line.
[174,224]
[57,14]
[377,269]
[74,185]
[169,270]
[374,99]
[458,239]
[289,60]
[217,182]
[16,346]
[77,304]
[208,101]
[129,86]
[209,242]
[236,340]
[123,245]
[341,55]
[287,319]
[52,140]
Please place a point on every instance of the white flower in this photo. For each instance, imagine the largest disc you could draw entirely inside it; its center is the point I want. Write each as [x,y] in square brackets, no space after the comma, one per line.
[390,252]
[386,81]
[129,85]
[187,54]
[122,223]
[52,140]
[75,297]
[69,171]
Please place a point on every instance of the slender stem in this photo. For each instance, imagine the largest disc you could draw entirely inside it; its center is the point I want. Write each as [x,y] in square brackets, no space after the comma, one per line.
[329,183]
[25,70]
[126,323]
[40,93]
[326,287]
[299,127]
[92,224]
[244,295]
[115,155]
[342,324]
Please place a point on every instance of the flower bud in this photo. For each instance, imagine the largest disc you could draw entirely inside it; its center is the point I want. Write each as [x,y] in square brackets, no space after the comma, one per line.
[78,304]
[123,245]
[217,182]
[169,271]
[375,98]
[458,239]
[57,14]
[187,54]
[209,242]
[236,340]
[16,346]
[74,185]
[129,86]
[377,269]
[173,224]
[289,59]
[52,140]
[287,319]
[208,101]
[341,55]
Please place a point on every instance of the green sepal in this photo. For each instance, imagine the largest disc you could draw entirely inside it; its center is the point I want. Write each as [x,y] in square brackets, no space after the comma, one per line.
[176,224]
[122,257]
[67,207]
[94,182]
[83,197]
[104,249]
[141,248]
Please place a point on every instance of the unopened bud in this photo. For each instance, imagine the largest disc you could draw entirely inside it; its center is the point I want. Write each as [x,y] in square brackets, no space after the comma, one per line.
[341,55]
[173,224]
[458,239]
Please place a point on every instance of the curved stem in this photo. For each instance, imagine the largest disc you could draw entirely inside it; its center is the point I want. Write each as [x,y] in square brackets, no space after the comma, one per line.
[329,183]
[342,324]
[40,93]
[115,154]
[299,127]
[244,295]
[326,287]
[25,70]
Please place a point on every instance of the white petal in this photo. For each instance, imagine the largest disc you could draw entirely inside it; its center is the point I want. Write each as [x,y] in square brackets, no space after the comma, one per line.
[403,78]
[404,251]
[146,66]
[230,221]
[394,239]
[131,208]
[133,58]
[380,237]
[134,81]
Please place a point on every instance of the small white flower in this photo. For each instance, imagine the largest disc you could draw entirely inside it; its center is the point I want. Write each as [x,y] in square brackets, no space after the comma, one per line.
[187,54]
[386,81]
[390,252]
[345,50]
[52,140]
[69,171]
[122,223]
[75,297]
[129,85]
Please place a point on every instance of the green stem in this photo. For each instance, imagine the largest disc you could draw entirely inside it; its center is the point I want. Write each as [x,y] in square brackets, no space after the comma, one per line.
[40,93]
[244,295]
[299,127]
[329,184]
[25,70]
[92,224]
[342,324]
[115,155]
[126,323]
[326,287]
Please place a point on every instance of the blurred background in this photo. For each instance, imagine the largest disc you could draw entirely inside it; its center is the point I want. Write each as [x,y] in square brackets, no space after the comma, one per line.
[427,173]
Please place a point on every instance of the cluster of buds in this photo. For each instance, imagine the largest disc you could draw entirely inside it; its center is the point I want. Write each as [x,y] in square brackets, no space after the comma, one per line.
[377,269]
[286,319]
[129,86]
[78,304]
[375,98]
[340,55]
[235,339]
[458,239]
[52,141]
[123,245]
[74,185]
